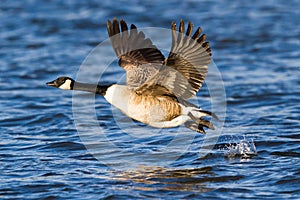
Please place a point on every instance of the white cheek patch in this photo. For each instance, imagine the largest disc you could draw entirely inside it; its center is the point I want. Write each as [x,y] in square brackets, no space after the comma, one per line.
[66,85]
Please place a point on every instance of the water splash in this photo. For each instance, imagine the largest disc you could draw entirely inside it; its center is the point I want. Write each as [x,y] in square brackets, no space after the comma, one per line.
[242,149]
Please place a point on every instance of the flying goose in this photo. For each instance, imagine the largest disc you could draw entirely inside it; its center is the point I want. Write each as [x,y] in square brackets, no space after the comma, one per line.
[157,88]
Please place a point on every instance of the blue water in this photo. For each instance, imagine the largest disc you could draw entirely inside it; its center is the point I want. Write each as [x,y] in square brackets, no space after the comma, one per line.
[45,154]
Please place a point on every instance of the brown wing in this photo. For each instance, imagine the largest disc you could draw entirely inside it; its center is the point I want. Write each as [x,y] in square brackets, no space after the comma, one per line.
[137,55]
[186,67]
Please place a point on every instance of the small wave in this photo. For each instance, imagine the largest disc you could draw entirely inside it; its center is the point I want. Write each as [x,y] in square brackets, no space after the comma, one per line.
[243,149]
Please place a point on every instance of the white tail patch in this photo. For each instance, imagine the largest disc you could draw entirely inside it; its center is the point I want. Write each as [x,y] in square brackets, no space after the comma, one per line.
[196,112]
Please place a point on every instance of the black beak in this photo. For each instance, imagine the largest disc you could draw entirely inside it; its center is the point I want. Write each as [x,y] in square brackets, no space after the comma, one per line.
[52,83]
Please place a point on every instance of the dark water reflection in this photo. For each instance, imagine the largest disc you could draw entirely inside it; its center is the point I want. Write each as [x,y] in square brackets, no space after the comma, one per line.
[170,179]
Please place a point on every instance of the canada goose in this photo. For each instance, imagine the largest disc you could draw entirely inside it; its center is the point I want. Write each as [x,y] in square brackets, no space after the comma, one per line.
[156,88]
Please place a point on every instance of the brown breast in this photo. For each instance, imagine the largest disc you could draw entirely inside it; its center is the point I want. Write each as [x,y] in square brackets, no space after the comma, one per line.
[147,108]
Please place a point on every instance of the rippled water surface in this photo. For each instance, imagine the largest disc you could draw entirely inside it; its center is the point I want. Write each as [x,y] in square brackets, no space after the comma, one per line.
[57,144]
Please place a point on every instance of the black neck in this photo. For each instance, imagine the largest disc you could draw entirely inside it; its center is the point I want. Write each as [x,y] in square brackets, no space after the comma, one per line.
[97,89]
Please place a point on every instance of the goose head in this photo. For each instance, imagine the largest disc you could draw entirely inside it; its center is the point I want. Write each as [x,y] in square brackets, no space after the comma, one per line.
[63,82]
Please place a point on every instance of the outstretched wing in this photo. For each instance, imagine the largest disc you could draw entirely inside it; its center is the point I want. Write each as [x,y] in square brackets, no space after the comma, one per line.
[137,55]
[186,67]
